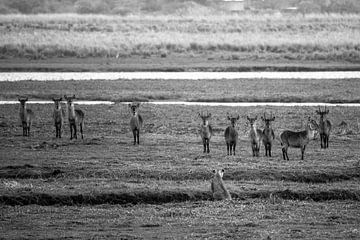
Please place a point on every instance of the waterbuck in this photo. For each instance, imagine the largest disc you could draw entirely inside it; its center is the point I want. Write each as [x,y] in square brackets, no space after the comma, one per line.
[268,135]
[255,136]
[26,116]
[136,122]
[324,128]
[231,135]
[75,116]
[58,116]
[205,131]
[218,188]
[298,139]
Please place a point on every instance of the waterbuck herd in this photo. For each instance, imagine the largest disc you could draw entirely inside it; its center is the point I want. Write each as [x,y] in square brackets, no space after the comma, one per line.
[287,138]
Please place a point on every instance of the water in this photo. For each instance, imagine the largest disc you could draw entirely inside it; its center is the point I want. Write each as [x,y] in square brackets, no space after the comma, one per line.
[227,104]
[54,76]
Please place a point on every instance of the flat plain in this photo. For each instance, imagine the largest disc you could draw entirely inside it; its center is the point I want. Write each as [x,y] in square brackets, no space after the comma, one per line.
[105,187]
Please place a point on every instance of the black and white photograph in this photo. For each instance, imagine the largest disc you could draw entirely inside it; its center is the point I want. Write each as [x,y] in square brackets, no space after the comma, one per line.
[180,119]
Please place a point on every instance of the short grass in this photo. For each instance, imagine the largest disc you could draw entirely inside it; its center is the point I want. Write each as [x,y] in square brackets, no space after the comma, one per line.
[233,37]
[104,186]
[237,90]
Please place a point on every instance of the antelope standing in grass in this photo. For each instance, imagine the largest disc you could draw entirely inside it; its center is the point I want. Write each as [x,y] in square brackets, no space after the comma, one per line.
[268,135]
[136,122]
[255,136]
[324,128]
[218,188]
[75,116]
[231,135]
[58,116]
[298,139]
[26,117]
[205,131]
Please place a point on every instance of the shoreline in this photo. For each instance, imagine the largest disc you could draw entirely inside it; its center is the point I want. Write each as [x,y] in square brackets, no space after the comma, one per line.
[168,64]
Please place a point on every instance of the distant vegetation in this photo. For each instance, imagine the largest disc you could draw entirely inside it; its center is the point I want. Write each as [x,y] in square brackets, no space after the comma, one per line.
[229,37]
[125,7]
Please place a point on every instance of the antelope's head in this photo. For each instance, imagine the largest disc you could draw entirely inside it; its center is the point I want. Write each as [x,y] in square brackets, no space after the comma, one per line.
[251,120]
[205,118]
[70,100]
[268,120]
[57,102]
[233,119]
[322,113]
[23,101]
[219,173]
[313,127]
[134,108]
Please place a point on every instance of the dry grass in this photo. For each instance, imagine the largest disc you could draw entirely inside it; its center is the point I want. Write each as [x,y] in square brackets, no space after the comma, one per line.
[316,37]
[237,90]
[104,187]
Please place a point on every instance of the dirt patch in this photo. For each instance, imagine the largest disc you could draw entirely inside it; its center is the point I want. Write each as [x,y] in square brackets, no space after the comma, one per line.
[28,171]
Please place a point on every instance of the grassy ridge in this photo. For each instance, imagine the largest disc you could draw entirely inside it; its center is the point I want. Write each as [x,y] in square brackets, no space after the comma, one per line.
[316,37]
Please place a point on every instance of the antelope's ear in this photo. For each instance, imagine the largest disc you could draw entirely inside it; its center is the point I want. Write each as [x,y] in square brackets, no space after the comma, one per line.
[262,118]
[273,119]
[247,117]
[214,171]
[238,117]
[222,170]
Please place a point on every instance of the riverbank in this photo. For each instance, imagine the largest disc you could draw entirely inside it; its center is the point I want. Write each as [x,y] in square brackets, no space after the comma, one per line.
[168,64]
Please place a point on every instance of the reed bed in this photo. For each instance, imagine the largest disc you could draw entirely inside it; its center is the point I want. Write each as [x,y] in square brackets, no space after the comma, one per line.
[234,37]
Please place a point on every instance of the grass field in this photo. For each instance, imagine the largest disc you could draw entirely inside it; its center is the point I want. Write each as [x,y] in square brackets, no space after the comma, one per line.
[235,90]
[235,38]
[104,187]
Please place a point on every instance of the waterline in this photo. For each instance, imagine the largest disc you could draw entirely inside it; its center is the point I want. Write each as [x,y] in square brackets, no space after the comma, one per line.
[210,104]
[66,76]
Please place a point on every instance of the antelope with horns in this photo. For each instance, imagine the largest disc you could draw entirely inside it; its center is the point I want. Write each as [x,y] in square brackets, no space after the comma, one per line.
[58,116]
[26,117]
[268,135]
[231,135]
[205,131]
[298,139]
[136,122]
[75,116]
[255,136]
[324,128]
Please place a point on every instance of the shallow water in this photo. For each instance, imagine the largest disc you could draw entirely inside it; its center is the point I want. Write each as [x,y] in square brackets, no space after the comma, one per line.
[56,76]
[228,104]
